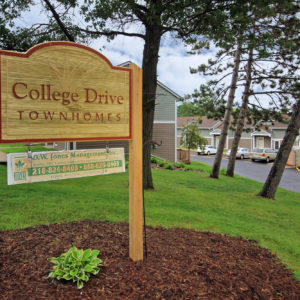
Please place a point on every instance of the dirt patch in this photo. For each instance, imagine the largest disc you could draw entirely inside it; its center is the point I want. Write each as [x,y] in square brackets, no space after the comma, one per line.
[181,264]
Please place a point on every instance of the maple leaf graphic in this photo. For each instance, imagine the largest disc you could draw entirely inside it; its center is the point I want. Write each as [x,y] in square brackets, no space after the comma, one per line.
[20,164]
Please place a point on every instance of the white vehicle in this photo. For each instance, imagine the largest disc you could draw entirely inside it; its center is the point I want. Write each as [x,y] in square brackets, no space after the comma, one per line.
[263,154]
[207,150]
[241,153]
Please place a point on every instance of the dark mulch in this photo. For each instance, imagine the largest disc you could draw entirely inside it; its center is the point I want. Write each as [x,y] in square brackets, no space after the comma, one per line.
[181,264]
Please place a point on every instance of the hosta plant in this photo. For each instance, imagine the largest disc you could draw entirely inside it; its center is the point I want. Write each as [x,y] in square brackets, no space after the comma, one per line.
[76,265]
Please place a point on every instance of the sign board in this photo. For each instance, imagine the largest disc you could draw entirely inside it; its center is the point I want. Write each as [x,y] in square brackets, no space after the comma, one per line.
[62,91]
[55,165]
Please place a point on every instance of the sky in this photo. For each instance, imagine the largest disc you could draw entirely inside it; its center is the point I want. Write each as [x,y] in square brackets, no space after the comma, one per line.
[174,61]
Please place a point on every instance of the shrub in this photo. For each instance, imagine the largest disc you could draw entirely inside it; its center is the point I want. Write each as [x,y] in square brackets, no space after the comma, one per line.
[162,164]
[188,168]
[76,265]
[154,160]
[169,167]
[180,165]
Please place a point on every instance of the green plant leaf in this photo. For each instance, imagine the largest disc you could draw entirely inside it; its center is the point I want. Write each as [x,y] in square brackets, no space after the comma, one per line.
[74,272]
[96,261]
[51,275]
[81,276]
[79,284]
[94,254]
[88,268]
[59,272]
[95,271]
[74,253]
[87,254]
[54,260]
[67,277]
[80,254]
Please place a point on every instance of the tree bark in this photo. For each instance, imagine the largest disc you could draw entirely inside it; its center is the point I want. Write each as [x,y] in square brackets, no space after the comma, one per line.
[241,119]
[150,60]
[274,177]
[217,163]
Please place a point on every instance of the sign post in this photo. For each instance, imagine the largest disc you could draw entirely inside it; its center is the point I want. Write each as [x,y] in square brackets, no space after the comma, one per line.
[63,91]
[136,169]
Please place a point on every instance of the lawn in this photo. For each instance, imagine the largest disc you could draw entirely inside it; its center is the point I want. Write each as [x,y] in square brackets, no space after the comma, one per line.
[18,148]
[180,199]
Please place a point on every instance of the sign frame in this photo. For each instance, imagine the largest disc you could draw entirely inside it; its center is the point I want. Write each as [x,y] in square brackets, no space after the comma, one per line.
[35,49]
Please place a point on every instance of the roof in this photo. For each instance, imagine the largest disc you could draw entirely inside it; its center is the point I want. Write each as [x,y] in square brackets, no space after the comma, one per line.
[278,125]
[261,132]
[205,122]
[212,124]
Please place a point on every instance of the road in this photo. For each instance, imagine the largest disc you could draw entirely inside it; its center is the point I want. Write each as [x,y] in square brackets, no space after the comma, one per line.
[256,170]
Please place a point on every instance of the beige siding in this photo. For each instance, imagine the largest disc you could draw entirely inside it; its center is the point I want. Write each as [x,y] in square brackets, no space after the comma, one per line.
[245,143]
[166,134]
[267,142]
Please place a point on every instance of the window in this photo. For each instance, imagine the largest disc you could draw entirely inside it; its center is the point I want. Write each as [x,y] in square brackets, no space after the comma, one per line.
[257,150]
[276,145]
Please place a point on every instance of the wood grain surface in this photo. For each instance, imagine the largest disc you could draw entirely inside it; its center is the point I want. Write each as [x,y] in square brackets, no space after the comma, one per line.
[63,91]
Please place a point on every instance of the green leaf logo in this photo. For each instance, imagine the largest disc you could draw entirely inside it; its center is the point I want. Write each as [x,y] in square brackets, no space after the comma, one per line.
[19,164]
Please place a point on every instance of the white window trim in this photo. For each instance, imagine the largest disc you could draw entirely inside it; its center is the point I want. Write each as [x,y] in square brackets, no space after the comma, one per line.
[273,142]
[260,133]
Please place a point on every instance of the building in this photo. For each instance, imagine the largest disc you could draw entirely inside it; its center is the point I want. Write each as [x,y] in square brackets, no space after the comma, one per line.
[270,134]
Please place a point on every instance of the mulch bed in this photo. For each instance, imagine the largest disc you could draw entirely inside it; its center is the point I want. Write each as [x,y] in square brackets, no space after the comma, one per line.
[181,264]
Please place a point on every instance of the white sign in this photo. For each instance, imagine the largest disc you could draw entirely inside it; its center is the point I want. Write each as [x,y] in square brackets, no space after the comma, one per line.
[56,165]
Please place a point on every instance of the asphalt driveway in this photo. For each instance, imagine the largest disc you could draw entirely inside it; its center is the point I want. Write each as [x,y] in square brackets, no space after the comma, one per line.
[256,170]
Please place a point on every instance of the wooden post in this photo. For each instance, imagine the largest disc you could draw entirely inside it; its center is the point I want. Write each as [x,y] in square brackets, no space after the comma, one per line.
[136,169]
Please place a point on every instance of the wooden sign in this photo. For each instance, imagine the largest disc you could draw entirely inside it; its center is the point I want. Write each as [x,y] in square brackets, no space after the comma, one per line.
[62,91]
[55,165]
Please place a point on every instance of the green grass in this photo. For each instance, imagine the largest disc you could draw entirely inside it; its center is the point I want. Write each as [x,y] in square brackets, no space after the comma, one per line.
[12,145]
[21,147]
[24,149]
[181,199]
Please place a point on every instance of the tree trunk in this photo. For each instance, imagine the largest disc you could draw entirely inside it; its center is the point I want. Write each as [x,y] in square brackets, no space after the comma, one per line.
[150,60]
[241,119]
[216,166]
[274,177]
